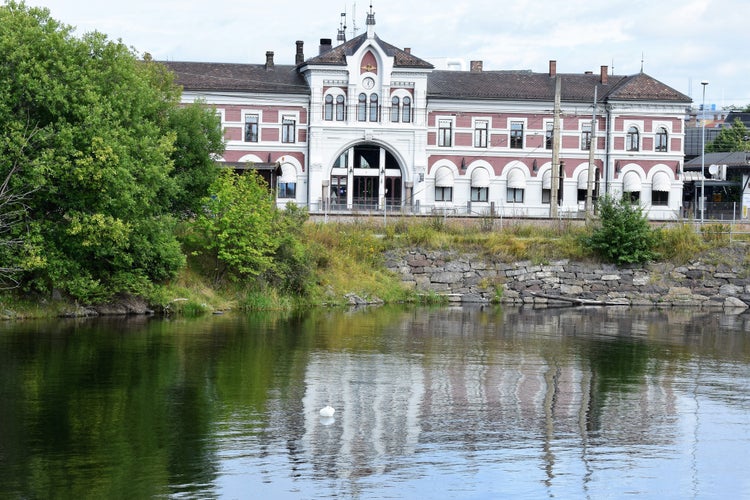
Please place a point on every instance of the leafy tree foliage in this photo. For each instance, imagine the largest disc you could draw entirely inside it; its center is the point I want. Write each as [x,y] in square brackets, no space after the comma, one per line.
[734,138]
[293,269]
[237,225]
[198,137]
[98,167]
[245,236]
[623,234]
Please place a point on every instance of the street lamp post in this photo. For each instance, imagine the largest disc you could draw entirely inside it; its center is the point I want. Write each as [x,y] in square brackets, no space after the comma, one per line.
[704,83]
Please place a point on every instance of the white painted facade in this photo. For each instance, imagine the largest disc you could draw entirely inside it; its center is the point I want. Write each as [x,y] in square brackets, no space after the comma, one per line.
[350,155]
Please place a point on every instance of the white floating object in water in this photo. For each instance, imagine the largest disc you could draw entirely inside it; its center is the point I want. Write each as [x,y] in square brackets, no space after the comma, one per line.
[327,411]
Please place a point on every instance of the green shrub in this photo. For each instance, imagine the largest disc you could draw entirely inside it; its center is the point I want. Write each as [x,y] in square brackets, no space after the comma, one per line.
[716,234]
[679,243]
[623,234]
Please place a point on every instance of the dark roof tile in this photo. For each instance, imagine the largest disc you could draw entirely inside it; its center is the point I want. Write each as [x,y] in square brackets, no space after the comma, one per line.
[513,85]
[283,79]
[337,55]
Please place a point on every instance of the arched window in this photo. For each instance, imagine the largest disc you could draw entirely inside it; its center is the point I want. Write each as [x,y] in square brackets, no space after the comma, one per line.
[328,113]
[631,187]
[516,186]
[632,142]
[443,184]
[362,108]
[395,101]
[480,185]
[374,107]
[340,115]
[661,140]
[660,187]
[406,110]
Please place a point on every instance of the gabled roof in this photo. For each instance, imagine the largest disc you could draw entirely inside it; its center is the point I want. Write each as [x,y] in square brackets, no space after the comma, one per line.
[337,55]
[282,79]
[511,85]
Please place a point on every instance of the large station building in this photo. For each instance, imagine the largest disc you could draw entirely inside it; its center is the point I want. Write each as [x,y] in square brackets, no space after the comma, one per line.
[365,126]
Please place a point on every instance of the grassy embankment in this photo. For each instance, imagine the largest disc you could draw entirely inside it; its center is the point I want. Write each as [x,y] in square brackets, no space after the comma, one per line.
[347,258]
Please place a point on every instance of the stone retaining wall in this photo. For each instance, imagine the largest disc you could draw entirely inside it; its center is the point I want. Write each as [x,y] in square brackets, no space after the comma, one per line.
[472,278]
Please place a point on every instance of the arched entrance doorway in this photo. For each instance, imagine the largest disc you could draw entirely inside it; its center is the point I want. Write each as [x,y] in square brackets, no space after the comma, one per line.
[365,177]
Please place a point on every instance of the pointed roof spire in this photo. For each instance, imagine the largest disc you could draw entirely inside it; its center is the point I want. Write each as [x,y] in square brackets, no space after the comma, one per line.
[370,22]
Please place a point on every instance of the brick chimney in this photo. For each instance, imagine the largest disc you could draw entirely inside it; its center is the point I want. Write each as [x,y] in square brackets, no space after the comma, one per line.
[604,76]
[407,50]
[325,45]
[269,60]
[552,68]
[475,66]
[299,57]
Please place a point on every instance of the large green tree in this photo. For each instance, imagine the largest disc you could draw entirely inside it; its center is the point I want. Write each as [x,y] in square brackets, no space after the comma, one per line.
[199,137]
[90,137]
[236,225]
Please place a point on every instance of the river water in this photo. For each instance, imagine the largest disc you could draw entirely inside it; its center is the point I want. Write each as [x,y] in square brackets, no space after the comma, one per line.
[430,403]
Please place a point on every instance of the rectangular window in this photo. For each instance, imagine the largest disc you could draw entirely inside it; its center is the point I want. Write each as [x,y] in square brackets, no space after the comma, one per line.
[288,125]
[443,194]
[251,128]
[549,136]
[660,198]
[287,189]
[586,136]
[445,133]
[632,140]
[338,190]
[516,135]
[546,196]
[661,140]
[480,133]
[479,194]
[515,195]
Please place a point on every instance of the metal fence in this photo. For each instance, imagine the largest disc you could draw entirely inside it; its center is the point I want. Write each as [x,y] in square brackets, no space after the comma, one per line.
[724,217]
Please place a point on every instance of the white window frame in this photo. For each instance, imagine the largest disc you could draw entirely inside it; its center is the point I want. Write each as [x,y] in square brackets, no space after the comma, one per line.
[440,139]
[295,119]
[245,114]
[479,125]
[511,122]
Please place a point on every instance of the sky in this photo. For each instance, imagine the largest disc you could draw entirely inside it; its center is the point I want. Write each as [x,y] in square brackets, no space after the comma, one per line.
[679,42]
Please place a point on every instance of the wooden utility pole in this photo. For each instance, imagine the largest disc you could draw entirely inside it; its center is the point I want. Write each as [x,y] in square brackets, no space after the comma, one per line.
[592,150]
[555,152]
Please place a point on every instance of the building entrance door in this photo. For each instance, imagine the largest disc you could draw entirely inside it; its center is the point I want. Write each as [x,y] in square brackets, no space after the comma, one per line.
[366,177]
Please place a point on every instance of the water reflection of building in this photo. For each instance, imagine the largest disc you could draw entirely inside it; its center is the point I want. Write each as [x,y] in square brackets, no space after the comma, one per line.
[465,386]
